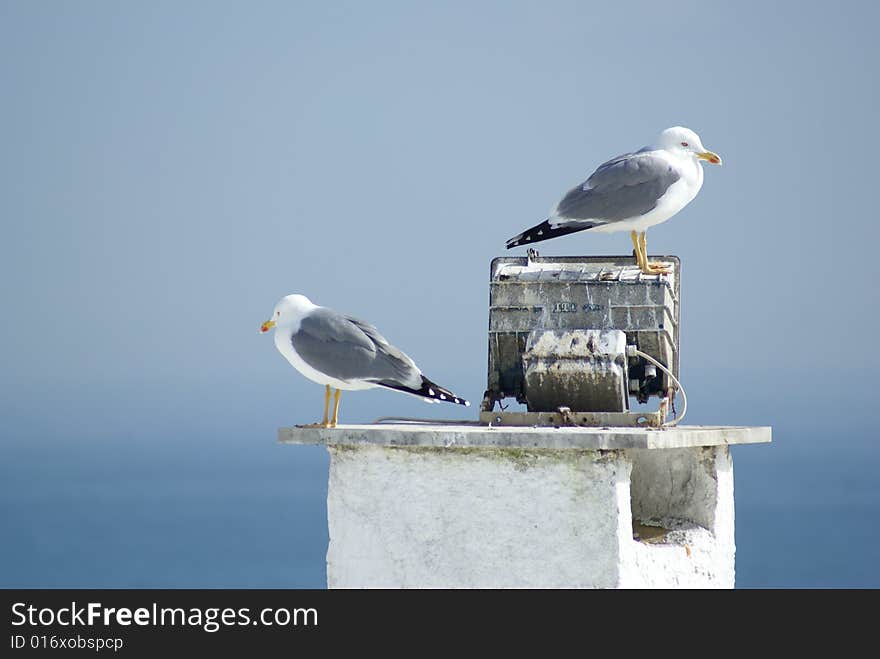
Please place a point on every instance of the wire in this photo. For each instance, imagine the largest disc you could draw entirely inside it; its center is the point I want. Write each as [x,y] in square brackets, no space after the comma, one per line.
[684,398]
[434,422]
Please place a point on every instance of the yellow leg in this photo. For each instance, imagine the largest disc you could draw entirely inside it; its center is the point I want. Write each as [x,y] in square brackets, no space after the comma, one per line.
[650,268]
[324,423]
[638,247]
[335,407]
[643,246]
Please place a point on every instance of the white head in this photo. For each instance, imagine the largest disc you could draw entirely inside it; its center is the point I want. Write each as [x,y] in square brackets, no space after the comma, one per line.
[679,139]
[289,311]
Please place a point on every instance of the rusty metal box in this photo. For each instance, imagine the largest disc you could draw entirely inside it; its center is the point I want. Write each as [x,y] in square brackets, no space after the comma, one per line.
[581,293]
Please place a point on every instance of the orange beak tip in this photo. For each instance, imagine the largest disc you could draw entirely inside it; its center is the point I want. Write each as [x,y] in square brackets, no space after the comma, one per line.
[708,156]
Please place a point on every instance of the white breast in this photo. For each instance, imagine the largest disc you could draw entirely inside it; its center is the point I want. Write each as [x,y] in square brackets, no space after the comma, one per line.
[680,193]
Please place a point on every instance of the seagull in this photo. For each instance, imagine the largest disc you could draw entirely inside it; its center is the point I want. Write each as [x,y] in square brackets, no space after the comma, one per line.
[342,352]
[631,193]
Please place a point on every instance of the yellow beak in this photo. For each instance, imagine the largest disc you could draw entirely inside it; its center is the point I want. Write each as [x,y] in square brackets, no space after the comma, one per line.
[714,158]
[265,327]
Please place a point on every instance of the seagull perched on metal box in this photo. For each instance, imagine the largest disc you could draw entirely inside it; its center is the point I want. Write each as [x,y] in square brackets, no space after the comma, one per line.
[631,193]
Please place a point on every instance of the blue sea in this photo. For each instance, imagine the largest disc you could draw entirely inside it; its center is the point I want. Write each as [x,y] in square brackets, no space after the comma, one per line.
[111,493]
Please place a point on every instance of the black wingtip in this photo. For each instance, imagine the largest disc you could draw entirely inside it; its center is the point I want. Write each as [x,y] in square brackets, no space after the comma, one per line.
[434,392]
[431,392]
[545,231]
[536,234]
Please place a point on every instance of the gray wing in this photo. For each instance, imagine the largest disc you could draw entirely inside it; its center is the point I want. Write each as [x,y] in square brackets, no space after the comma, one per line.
[348,349]
[624,187]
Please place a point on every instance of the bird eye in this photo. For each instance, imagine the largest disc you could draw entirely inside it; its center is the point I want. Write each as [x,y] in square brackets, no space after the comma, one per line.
[684,143]
[277,313]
